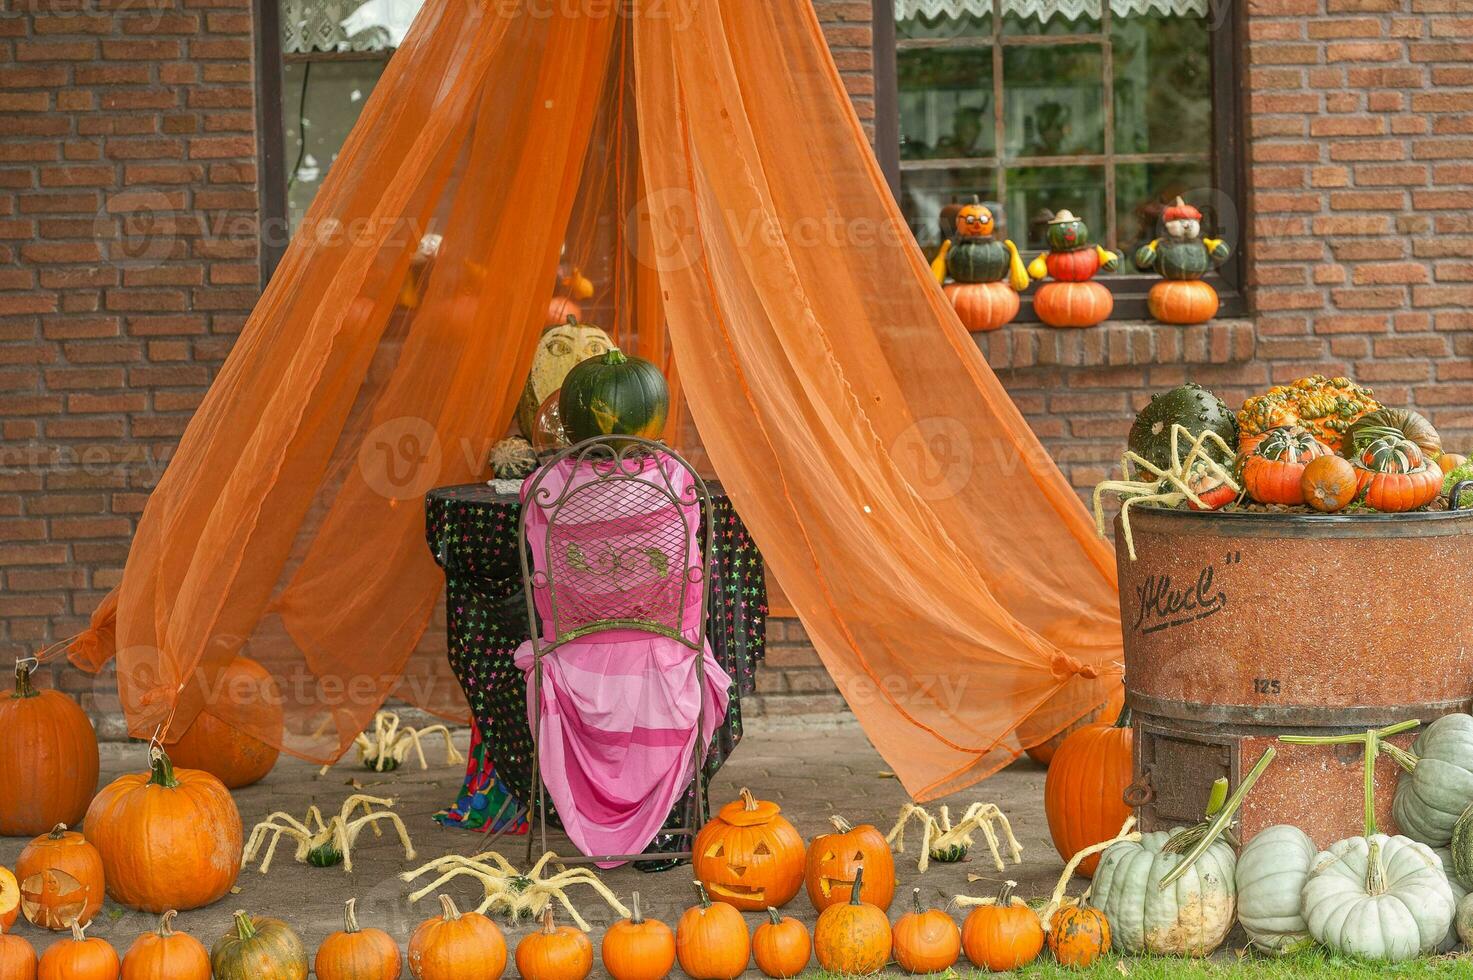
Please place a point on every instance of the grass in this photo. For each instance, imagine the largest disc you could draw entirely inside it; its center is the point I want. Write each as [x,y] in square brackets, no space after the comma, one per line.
[1303,966]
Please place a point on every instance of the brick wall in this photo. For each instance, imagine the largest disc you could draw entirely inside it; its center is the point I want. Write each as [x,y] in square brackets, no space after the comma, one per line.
[128,262]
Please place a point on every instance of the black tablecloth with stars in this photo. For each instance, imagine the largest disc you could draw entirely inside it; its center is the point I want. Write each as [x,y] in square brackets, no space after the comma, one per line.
[472,531]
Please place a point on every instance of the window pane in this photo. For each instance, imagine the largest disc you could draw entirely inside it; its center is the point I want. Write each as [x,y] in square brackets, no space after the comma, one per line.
[1163,85]
[1054,100]
[335,93]
[945,104]
[911,21]
[345,25]
[923,193]
[1035,191]
[1142,191]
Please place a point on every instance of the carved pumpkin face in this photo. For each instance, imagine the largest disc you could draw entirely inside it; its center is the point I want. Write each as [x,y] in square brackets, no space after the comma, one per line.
[749,856]
[560,349]
[835,859]
[974,221]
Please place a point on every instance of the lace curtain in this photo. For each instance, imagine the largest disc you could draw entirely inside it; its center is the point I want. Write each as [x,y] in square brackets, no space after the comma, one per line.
[345,25]
[1046,9]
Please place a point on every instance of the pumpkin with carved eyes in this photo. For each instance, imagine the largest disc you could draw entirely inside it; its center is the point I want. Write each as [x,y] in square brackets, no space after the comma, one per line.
[834,860]
[563,346]
[749,856]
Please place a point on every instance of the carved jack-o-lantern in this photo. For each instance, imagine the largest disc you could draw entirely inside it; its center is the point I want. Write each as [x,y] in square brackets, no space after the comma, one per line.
[749,856]
[833,860]
[561,348]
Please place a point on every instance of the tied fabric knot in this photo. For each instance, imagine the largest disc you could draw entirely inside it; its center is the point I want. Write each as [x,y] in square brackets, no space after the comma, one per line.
[1064,666]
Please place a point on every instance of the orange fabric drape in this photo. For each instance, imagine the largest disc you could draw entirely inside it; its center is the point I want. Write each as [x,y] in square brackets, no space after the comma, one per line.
[699,160]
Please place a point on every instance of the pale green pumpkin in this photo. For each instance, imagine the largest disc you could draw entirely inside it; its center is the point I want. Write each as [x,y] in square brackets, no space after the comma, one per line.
[1438,782]
[1378,897]
[1271,872]
[1463,921]
[1190,917]
[1446,857]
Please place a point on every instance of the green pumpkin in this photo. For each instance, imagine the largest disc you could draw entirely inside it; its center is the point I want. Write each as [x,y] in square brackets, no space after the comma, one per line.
[325,855]
[1438,782]
[1463,920]
[614,395]
[1271,872]
[1068,235]
[259,948]
[978,260]
[1190,406]
[1379,897]
[1182,260]
[1460,849]
[1445,855]
[1190,917]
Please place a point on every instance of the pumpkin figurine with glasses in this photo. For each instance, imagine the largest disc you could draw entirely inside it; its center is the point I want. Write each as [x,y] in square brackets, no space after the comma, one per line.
[1072,299]
[987,274]
[1181,259]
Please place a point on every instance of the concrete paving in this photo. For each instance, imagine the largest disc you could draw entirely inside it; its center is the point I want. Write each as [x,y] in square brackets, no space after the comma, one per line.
[812,773]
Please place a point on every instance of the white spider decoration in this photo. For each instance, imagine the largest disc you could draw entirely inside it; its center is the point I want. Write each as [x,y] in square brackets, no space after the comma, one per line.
[324,844]
[947,844]
[390,744]
[511,892]
[1182,481]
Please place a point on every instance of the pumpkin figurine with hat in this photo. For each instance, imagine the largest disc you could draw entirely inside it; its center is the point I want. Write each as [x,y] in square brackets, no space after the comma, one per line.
[1072,260]
[986,273]
[1181,259]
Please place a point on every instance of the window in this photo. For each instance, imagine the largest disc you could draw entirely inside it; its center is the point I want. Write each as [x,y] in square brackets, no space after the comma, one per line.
[1109,109]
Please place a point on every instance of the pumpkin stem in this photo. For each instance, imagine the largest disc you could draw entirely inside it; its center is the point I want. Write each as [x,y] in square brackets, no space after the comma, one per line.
[1374,742]
[244,927]
[772,915]
[548,928]
[1217,797]
[1004,895]
[350,916]
[858,884]
[1375,870]
[1401,756]
[749,802]
[705,899]
[163,770]
[1368,778]
[1205,835]
[615,356]
[635,915]
[23,686]
[1124,720]
[166,924]
[842,825]
[57,832]
[448,910]
[915,900]
[79,931]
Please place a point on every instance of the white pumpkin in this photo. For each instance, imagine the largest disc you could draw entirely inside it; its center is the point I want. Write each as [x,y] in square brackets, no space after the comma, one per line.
[1190,917]
[1445,855]
[1438,783]
[1271,872]
[1378,897]
[1463,921]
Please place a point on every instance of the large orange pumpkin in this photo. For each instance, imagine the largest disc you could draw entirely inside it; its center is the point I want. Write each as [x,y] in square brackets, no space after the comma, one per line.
[1043,753]
[1182,301]
[216,747]
[983,306]
[79,958]
[1073,304]
[749,856]
[637,948]
[48,758]
[1082,793]
[169,839]
[834,861]
[166,955]
[1003,935]
[453,946]
[60,879]
[712,941]
[853,937]
[17,957]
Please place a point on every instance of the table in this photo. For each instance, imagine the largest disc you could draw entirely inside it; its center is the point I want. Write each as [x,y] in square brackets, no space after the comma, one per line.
[472,531]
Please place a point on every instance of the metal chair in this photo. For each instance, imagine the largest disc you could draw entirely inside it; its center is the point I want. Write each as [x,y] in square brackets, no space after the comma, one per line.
[618,556]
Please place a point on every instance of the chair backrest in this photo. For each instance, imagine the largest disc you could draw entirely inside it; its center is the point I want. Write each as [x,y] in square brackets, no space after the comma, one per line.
[614,536]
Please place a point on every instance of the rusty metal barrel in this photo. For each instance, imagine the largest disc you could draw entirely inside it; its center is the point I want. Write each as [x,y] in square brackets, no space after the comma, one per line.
[1241,627]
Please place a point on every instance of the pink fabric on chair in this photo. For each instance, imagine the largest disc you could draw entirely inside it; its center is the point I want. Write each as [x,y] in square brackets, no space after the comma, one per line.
[619,707]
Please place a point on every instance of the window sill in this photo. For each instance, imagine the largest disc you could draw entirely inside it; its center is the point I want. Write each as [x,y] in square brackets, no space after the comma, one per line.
[1123,343]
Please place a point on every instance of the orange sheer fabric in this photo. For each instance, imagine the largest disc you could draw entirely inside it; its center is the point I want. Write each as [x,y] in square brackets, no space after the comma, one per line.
[700,162]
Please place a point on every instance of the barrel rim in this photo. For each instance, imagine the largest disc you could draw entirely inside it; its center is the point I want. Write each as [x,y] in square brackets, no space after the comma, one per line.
[1146,706]
[1276,518]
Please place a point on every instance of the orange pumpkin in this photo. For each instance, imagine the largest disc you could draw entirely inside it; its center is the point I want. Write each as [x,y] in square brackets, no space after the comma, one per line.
[983,306]
[48,758]
[455,946]
[750,856]
[1329,483]
[1003,935]
[1073,304]
[925,940]
[562,307]
[9,899]
[166,955]
[1082,793]
[638,948]
[79,958]
[60,879]
[212,745]
[357,954]
[1078,935]
[834,861]
[1448,462]
[169,839]
[711,941]
[853,937]
[1043,753]
[554,952]
[781,946]
[1182,301]
[1395,476]
[1273,471]
[17,957]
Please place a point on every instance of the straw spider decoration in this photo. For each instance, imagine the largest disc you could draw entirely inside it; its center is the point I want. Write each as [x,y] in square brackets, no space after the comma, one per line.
[947,844]
[510,892]
[1184,481]
[324,845]
[390,744]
